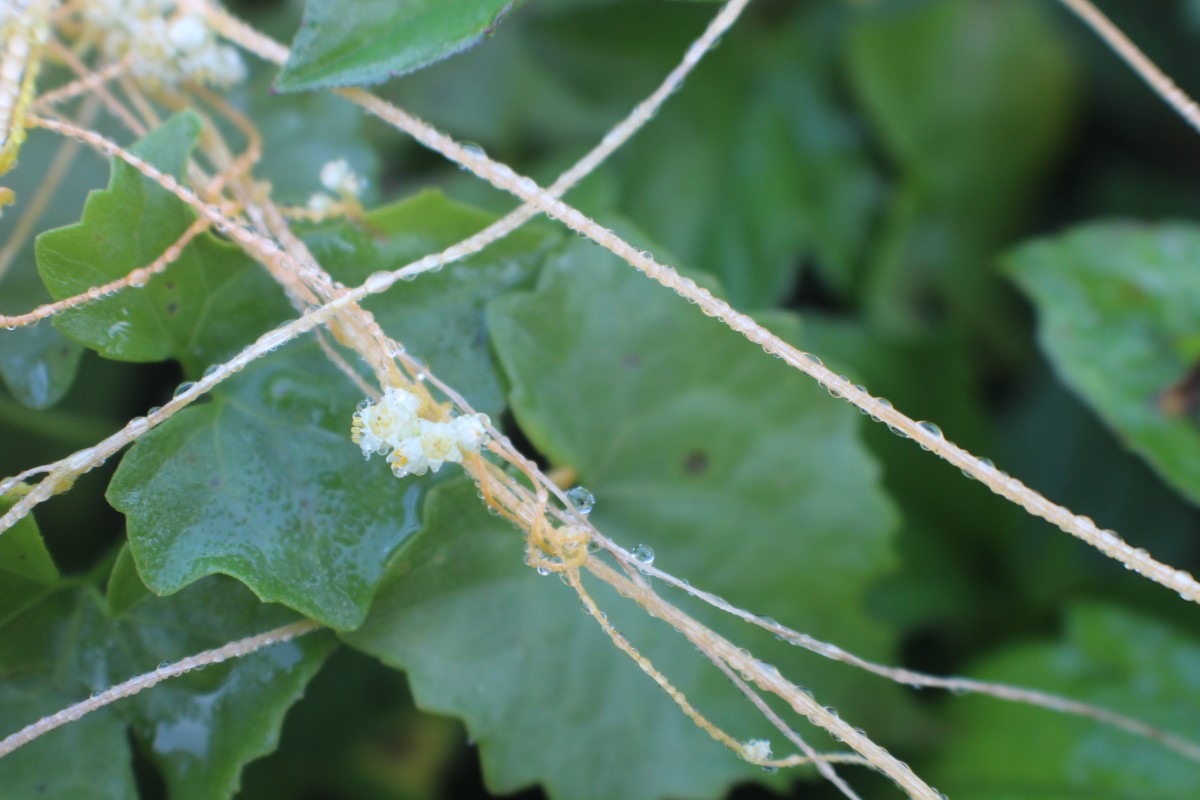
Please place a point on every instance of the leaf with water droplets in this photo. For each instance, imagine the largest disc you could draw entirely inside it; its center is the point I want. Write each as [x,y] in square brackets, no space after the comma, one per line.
[1103,652]
[1118,317]
[694,444]
[349,42]
[208,303]
[198,730]
[263,483]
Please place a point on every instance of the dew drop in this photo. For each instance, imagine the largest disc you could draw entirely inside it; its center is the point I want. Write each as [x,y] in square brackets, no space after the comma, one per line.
[182,388]
[543,571]
[581,499]
[378,281]
[931,429]
[643,554]
[814,359]
[474,150]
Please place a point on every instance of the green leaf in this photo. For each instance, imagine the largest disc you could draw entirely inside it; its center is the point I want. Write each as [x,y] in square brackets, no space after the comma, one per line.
[1118,320]
[38,363]
[26,568]
[305,132]
[440,316]
[693,443]
[199,730]
[972,100]
[356,734]
[954,530]
[1110,657]
[351,42]
[970,97]
[749,214]
[264,484]
[236,486]
[88,759]
[207,304]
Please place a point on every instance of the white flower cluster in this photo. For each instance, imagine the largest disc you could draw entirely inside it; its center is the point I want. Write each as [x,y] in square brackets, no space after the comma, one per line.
[165,47]
[337,177]
[413,445]
[757,750]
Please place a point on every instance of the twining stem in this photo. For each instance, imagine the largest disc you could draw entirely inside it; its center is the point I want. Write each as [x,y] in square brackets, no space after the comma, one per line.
[1132,55]
[241,647]
[768,679]
[929,437]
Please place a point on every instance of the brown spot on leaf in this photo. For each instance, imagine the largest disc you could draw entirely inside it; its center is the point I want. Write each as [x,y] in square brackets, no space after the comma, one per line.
[172,308]
[1183,397]
[696,462]
[215,483]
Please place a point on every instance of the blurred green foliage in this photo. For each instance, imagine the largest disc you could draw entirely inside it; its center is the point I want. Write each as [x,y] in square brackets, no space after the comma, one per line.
[970,206]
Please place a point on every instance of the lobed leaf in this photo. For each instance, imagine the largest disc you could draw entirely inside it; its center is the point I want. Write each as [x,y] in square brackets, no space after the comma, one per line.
[200,311]
[263,482]
[691,443]
[198,730]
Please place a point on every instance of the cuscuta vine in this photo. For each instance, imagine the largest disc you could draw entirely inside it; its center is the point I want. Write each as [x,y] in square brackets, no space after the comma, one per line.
[557,539]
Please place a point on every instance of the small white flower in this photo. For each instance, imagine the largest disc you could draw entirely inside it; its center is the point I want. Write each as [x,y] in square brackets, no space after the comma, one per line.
[409,459]
[757,750]
[439,444]
[336,176]
[320,203]
[188,33]
[469,432]
[163,52]
[383,426]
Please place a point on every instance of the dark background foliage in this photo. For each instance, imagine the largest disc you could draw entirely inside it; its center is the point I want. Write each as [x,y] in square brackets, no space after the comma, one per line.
[875,167]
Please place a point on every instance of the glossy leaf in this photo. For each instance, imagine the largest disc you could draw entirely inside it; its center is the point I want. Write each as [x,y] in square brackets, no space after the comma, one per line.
[692,443]
[1111,657]
[1118,320]
[198,312]
[88,759]
[198,730]
[26,568]
[264,484]
[351,42]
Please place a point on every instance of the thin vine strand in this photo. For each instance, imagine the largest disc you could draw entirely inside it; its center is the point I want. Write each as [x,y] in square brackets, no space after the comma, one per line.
[1137,60]
[926,435]
[137,278]
[241,647]
[66,470]
[273,340]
